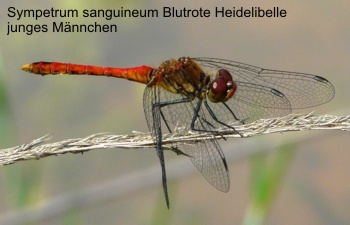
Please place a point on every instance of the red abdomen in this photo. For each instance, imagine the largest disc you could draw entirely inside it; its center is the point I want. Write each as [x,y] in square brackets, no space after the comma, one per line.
[140,74]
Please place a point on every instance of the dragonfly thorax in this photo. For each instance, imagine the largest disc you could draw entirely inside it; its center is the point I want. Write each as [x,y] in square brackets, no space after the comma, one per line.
[182,76]
[222,87]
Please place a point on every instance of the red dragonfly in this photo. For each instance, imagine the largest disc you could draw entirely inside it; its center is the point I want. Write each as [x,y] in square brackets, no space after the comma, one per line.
[205,94]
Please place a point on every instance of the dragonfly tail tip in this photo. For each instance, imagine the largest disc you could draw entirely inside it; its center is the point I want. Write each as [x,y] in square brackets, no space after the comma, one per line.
[26,67]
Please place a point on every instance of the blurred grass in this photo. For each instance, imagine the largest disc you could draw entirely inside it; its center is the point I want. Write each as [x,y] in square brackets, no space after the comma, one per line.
[267,173]
[7,134]
[268,170]
[162,215]
[20,181]
[72,217]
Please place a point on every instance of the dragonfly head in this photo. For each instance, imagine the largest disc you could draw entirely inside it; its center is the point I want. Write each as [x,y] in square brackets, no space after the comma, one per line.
[222,87]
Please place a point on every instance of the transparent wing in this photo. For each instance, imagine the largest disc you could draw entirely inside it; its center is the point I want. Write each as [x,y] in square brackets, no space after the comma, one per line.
[250,103]
[302,90]
[177,113]
[152,113]
[209,159]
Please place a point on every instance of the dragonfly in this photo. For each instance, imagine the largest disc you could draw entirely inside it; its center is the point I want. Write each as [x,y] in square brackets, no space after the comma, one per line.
[205,95]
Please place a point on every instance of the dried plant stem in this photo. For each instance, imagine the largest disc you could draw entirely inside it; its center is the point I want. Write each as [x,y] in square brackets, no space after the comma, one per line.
[36,149]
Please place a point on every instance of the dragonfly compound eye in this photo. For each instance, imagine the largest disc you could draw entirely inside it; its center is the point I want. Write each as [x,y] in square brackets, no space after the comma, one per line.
[218,86]
[225,74]
[222,88]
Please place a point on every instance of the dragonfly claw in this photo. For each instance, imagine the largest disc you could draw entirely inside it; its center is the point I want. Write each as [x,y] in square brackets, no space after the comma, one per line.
[179,152]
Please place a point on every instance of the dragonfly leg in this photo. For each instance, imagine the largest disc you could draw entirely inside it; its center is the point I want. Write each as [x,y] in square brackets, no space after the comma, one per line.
[217,120]
[162,104]
[201,120]
[157,115]
[232,113]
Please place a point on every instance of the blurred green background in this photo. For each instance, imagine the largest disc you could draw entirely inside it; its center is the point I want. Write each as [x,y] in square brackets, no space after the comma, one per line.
[310,186]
